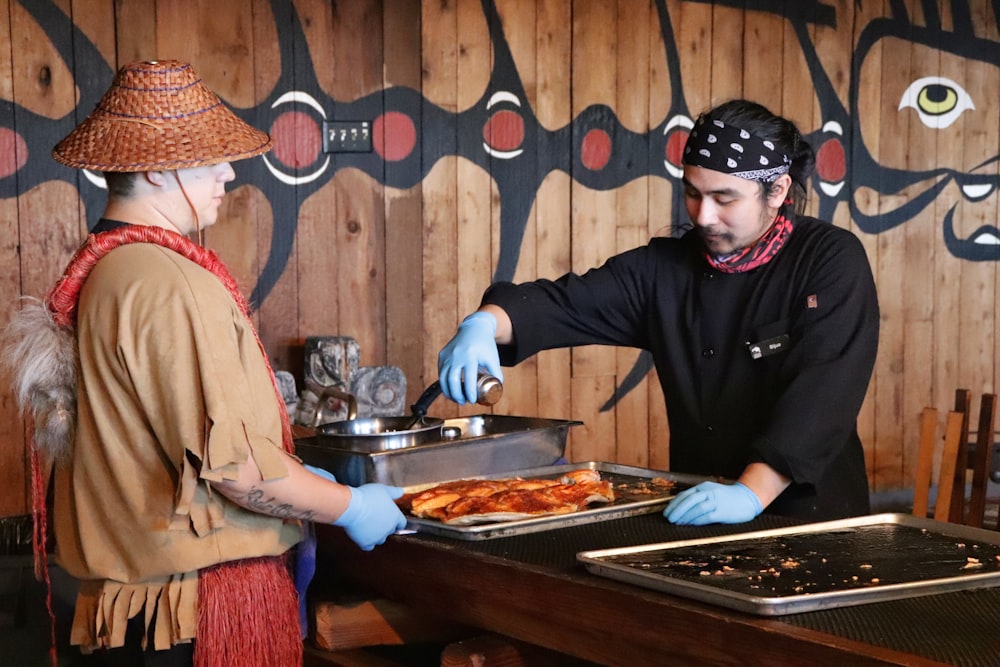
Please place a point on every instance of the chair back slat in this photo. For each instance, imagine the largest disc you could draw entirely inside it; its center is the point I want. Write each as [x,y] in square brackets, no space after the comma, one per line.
[944,509]
[963,405]
[925,462]
[981,460]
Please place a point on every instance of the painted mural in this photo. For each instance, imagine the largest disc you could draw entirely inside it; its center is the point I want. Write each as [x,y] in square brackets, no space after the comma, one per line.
[501,134]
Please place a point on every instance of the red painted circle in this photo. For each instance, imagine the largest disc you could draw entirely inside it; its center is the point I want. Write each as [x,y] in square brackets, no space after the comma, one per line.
[831,163]
[674,151]
[13,152]
[394,136]
[298,140]
[595,151]
[504,131]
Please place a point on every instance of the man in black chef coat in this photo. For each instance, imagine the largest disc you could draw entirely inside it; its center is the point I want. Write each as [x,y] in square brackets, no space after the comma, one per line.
[762,324]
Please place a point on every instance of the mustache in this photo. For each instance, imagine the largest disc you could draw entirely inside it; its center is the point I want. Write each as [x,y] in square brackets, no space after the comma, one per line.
[707,234]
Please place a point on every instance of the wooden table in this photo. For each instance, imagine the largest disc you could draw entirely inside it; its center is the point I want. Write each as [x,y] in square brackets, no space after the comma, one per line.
[496,586]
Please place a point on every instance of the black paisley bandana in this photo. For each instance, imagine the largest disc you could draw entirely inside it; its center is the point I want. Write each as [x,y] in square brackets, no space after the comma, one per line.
[726,148]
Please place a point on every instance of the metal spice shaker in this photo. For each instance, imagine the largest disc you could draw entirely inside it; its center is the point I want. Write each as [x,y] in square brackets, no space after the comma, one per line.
[489,389]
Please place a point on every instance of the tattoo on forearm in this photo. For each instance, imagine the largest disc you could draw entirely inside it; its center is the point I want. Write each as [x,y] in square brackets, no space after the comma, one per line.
[257,501]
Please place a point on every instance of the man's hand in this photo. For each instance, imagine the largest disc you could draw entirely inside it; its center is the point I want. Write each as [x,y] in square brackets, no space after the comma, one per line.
[711,502]
[459,361]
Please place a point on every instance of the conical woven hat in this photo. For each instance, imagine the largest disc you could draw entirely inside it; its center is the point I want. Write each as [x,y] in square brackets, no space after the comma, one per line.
[159,115]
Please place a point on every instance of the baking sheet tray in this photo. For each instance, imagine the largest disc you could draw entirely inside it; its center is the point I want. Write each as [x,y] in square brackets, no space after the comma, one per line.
[631,486]
[813,566]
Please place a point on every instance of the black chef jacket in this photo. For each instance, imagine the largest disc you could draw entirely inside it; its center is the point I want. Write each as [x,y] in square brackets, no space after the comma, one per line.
[769,365]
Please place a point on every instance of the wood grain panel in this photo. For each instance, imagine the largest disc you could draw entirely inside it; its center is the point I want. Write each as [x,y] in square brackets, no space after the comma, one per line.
[867,199]
[727,49]
[439,49]
[215,37]
[317,248]
[889,276]
[521,395]
[695,40]
[552,210]
[474,187]
[635,31]
[15,495]
[763,60]
[360,230]
[136,42]
[980,138]
[595,440]
[593,216]
[404,271]
[632,410]
[361,226]
[277,318]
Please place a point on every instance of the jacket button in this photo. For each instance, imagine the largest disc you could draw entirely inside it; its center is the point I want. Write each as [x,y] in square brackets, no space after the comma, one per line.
[708,352]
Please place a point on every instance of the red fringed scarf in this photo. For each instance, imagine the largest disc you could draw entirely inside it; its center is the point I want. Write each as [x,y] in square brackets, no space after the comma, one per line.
[248,609]
[761,252]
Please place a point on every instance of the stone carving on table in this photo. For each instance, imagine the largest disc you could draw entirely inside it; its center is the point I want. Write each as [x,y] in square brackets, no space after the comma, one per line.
[331,360]
[332,371]
[289,392]
[379,390]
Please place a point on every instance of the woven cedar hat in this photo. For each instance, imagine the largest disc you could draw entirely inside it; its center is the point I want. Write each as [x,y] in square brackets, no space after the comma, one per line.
[159,115]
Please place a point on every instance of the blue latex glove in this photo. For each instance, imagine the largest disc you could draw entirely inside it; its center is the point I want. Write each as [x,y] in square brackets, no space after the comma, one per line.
[372,515]
[471,347]
[711,502]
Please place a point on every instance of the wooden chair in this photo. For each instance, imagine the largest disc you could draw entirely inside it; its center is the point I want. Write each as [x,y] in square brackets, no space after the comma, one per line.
[950,504]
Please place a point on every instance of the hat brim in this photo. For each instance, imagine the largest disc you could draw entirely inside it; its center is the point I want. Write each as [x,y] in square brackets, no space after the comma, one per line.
[159,116]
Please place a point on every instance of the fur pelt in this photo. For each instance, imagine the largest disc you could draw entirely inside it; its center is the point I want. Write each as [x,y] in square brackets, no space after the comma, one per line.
[41,358]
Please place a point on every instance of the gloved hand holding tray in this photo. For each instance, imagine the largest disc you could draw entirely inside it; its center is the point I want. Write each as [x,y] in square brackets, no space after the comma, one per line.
[813,566]
[635,491]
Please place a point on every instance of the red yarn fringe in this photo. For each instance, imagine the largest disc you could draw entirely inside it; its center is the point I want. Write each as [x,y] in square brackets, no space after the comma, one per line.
[39,545]
[248,615]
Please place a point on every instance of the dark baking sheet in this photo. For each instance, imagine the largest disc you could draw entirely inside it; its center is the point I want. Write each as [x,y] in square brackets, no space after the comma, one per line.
[634,495]
[814,566]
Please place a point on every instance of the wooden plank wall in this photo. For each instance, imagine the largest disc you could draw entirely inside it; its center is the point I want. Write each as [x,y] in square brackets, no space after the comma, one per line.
[397,268]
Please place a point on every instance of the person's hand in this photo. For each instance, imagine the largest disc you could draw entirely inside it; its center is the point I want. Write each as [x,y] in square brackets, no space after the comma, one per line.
[325,474]
[459,361]
[711,502]
[372,515]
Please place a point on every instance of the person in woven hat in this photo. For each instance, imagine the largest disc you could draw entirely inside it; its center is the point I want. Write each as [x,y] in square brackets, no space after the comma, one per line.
[176,493]
[762,324]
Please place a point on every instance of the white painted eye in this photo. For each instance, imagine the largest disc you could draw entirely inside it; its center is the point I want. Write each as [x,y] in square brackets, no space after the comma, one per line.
[937,100]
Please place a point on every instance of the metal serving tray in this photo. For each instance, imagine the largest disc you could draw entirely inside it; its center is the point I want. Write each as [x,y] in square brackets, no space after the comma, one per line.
[814,566]
[634,495]
[480,445]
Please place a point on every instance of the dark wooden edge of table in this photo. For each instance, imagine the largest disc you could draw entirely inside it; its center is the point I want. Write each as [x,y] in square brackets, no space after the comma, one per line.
[580,614]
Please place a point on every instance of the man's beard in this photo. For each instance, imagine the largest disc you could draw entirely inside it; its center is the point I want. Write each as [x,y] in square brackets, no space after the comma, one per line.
[715,240]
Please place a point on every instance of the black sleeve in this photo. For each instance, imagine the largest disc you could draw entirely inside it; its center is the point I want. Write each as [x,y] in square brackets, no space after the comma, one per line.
[604,306]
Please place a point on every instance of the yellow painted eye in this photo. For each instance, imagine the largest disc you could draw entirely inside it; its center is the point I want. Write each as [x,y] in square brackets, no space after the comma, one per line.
[937,100]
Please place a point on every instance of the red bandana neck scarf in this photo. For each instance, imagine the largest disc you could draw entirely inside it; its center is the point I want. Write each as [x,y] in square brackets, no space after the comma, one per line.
[760,253]
[259,592]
